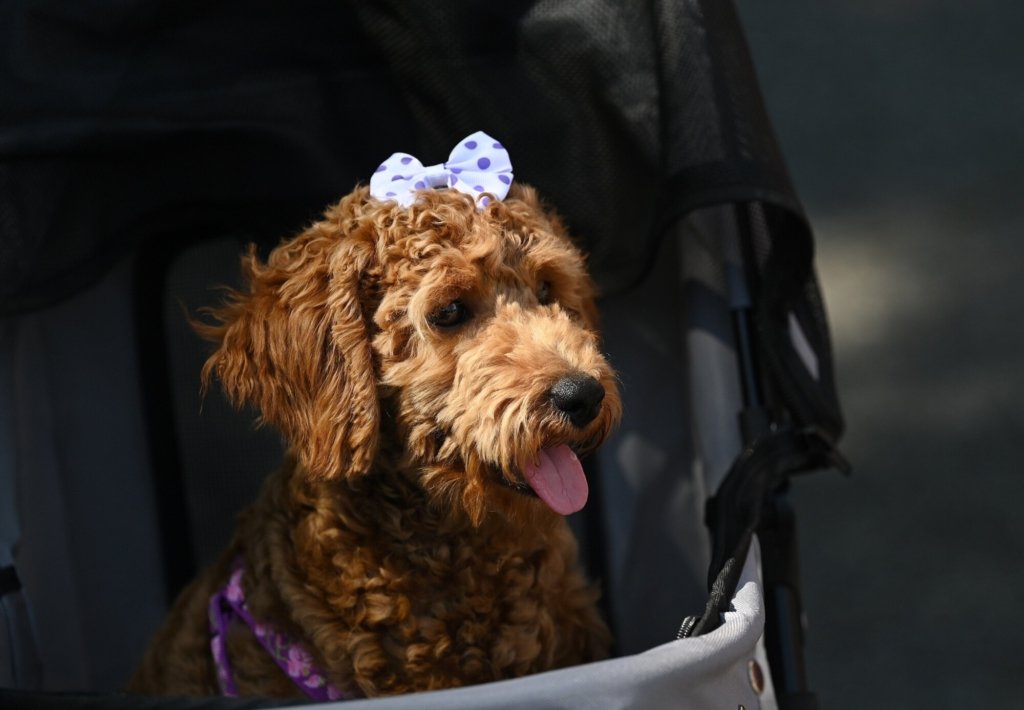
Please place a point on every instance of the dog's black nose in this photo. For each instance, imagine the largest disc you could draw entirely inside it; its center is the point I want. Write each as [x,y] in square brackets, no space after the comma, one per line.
[579,396]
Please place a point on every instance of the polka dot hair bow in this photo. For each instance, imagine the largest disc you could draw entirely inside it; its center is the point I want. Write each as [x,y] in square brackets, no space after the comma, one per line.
[478,164]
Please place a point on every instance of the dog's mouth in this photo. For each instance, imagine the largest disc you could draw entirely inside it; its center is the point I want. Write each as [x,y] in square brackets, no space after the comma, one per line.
[555,476]
[517,486]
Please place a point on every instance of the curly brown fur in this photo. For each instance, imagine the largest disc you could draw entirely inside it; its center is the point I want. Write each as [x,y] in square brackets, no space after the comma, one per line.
[394,541]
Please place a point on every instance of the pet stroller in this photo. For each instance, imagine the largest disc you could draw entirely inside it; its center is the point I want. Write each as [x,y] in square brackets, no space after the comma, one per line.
[141,146]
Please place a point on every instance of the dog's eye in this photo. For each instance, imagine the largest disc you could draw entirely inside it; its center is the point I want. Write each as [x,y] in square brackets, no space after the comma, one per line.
[450,315]
[544,293]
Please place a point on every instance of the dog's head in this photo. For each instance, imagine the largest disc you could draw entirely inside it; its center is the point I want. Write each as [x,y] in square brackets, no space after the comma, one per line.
[471,334]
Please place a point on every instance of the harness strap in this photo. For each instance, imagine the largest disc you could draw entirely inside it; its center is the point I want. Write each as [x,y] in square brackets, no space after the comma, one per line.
[293,657]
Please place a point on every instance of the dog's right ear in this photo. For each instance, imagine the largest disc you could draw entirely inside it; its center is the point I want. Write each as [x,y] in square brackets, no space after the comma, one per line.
[296,346]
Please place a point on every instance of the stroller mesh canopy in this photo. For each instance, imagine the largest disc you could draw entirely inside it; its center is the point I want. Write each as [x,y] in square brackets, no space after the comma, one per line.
[140,123]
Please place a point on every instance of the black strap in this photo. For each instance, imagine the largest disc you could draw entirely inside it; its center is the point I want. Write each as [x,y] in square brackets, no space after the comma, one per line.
[735,513]
[751,500]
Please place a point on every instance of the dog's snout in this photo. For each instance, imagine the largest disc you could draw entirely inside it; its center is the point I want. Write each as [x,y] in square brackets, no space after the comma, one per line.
[579,397]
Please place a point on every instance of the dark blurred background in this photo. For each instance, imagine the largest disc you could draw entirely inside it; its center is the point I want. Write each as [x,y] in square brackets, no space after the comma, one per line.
[903,125]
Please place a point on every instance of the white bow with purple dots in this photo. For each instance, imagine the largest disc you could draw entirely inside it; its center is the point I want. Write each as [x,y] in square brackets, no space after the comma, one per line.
[477,165]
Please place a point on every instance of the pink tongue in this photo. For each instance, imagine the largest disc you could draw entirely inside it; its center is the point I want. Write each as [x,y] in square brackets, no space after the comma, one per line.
[558,479]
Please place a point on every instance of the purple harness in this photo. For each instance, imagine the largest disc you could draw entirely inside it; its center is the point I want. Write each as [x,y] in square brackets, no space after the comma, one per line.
[292,656]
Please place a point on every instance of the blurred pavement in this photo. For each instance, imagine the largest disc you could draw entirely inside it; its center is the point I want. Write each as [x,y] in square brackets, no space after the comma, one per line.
[903,125]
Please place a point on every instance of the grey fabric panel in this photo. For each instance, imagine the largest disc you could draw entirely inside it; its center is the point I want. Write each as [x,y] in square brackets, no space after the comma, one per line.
[653,490]
[223,457]
[714,392]
[671,340]
[89,557]
[44,556]
[19,657]
[706,672]
[9,525]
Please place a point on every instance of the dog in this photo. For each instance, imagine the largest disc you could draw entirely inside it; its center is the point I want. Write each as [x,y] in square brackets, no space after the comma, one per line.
[436,371]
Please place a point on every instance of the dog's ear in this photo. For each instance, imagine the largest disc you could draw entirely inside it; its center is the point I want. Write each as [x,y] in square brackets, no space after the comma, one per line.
[296,346]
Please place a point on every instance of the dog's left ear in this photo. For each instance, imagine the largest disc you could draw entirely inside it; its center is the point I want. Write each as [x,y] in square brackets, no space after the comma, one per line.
[296,345]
